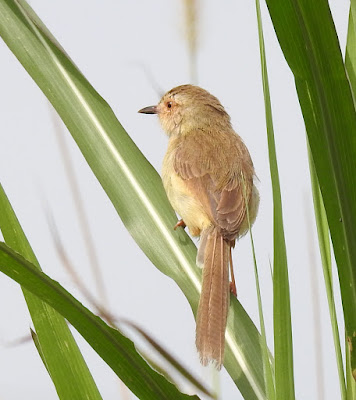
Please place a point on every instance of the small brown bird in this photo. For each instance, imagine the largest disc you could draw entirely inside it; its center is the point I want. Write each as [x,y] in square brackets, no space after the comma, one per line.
[208,176]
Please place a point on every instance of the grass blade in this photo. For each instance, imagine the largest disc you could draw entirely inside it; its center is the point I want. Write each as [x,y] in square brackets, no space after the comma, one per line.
[350,64]
[169,358]
[131,183]
[115,349]
[59,350]
[350,57]
[324,245]
[283,347]
[307,36]
[267,367]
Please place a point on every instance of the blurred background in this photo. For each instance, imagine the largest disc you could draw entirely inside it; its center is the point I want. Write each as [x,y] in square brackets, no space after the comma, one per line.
[133,52]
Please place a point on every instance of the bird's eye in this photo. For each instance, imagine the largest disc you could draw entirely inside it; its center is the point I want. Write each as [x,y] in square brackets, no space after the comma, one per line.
[169,104]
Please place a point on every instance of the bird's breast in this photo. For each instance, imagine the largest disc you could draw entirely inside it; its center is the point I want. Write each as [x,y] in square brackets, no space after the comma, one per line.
[181,198]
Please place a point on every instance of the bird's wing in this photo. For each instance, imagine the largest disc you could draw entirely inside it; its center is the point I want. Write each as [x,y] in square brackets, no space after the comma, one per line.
[218,172]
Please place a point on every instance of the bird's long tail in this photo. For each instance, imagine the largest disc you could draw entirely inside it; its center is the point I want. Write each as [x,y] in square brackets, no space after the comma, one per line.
[214,298]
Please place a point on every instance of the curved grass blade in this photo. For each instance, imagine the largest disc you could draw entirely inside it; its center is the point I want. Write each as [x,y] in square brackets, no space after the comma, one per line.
[283,346]
[307,36]
[169,358]
[131,183]
[113,320]
[115,349]
[59,351]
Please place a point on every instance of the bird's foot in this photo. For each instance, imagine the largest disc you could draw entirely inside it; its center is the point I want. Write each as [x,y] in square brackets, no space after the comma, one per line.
[233,289]
[179,223]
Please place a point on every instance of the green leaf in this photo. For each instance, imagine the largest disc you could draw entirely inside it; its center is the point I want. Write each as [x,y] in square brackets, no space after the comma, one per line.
[59,350]
[350,63]
[131,183]
[350,57]
[169,358]
[267,360]
[324,245]
[283,346]
[115,349]
[307,36]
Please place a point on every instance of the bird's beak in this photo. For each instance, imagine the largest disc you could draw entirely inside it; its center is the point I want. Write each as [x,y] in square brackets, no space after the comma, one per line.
[149,110]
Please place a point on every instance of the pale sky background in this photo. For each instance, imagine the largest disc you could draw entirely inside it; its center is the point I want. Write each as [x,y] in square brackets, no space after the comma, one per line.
[110,41]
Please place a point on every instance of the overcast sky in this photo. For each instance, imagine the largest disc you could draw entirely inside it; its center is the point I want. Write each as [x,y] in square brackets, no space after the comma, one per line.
[113,43]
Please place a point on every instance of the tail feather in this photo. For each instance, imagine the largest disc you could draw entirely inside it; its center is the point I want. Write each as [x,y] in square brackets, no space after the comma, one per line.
[214,299]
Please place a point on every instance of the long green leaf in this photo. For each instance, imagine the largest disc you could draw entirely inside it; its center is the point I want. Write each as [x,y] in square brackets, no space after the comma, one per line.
[267,367]
[59,350]
[350,57]
[307,36]
[131,183]
[324,245]
[115,349]
[283,346]
[350,63]
[168,357]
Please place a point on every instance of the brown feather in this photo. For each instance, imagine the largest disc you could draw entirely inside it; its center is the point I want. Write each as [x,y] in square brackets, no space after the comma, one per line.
[215,176]
[214,300]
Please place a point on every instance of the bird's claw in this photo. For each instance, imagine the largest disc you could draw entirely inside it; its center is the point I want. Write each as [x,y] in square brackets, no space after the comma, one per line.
[179,223]
[233,289]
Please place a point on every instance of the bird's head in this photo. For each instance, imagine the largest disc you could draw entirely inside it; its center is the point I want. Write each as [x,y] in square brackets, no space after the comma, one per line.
[189,107]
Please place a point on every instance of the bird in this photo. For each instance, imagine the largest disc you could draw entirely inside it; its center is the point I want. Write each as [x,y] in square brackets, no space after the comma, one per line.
[209,179]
